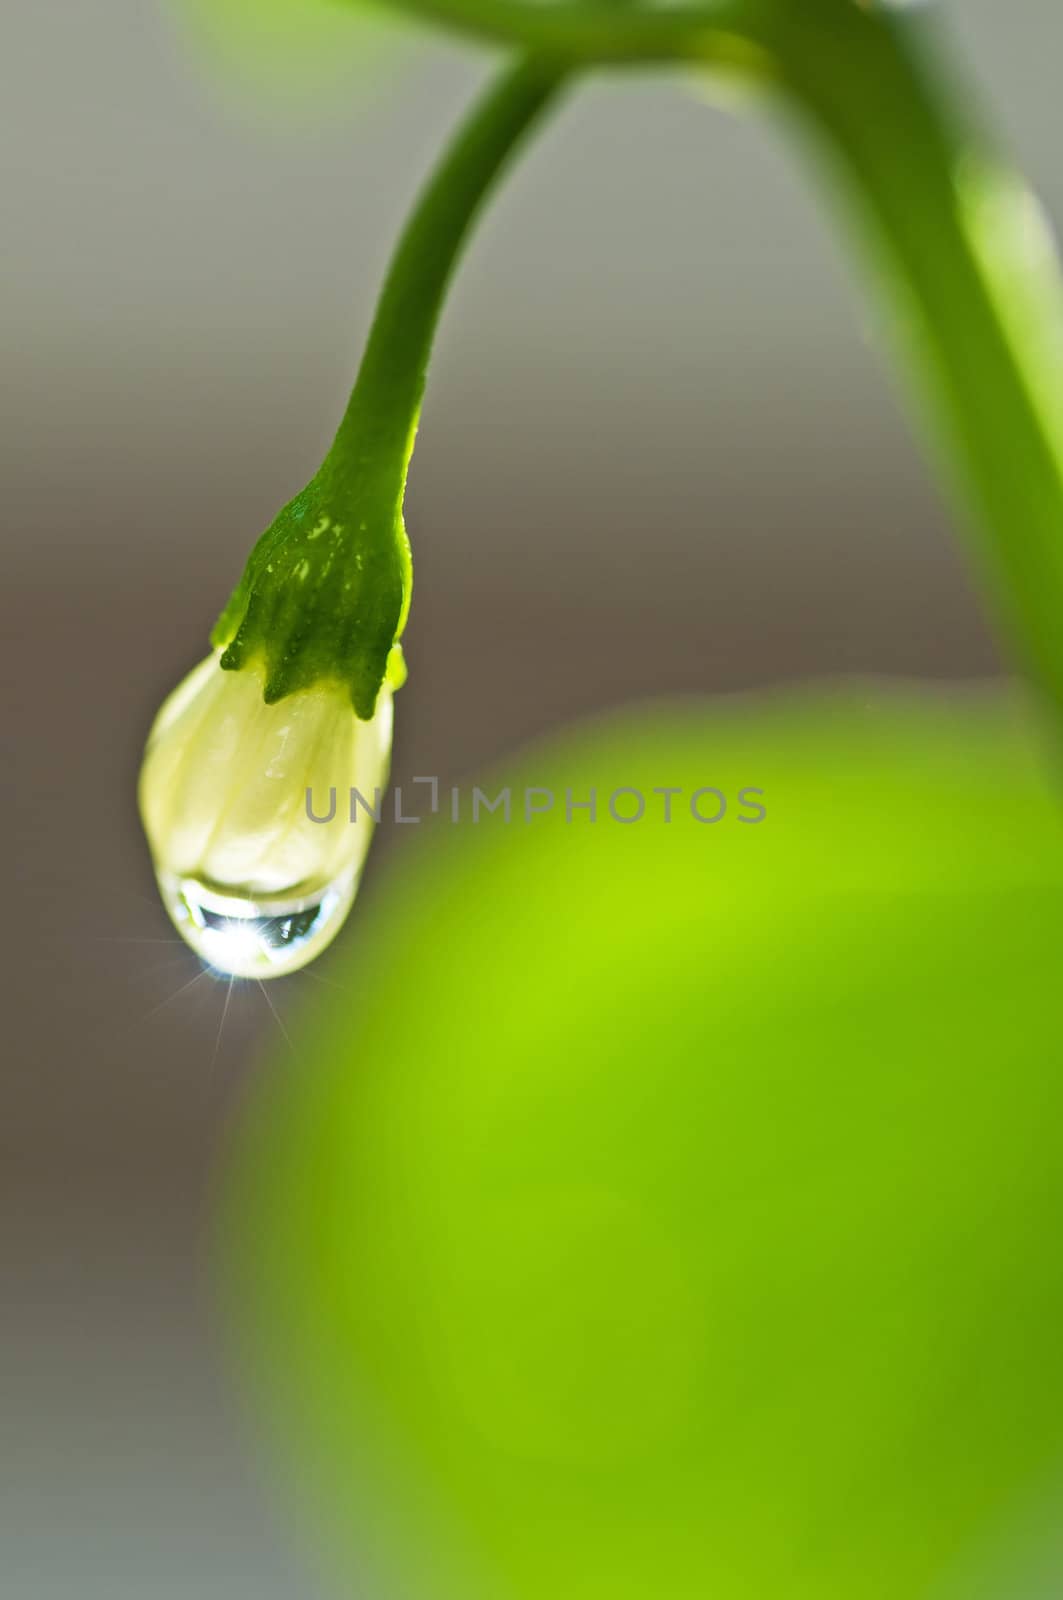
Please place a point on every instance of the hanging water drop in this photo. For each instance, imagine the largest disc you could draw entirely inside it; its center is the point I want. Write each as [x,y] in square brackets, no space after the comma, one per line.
[250,879]
[244,937]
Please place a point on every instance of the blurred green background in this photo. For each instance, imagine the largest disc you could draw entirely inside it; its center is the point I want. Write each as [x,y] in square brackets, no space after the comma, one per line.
[655,336]
[671,1209]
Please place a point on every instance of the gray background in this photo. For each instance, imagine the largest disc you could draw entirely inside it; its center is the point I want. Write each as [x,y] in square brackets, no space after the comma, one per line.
[659,455]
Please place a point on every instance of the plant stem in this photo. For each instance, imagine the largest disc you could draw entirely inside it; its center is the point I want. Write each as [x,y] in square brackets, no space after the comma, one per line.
[376,435]
[970,272]
[971,275]
[326,590]
[974,282]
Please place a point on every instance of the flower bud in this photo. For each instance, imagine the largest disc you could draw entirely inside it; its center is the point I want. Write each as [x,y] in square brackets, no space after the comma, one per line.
[251,881]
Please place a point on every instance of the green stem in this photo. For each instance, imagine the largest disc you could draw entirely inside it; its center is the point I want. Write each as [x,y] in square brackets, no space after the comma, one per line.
[975,284]
[971,275]
[326,590]
[375,438]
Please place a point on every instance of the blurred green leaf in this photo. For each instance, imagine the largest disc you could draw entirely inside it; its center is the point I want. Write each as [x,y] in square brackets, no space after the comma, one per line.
[300,57]
[673,1210]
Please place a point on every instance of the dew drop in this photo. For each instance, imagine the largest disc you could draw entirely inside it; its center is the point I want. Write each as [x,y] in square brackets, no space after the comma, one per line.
[247,936]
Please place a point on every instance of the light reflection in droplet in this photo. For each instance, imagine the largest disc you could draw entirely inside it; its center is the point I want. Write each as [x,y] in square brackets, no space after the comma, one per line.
[244,937]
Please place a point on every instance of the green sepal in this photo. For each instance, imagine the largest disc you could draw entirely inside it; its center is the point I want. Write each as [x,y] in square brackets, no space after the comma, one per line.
[323,598]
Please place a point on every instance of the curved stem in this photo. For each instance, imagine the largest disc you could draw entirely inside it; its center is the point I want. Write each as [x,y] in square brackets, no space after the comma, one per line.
[325,592]
[975,280]
[975,285]
[375,437]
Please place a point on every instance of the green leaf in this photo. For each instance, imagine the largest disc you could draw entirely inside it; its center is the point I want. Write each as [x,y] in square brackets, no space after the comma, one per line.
[302,57]
[671,1210]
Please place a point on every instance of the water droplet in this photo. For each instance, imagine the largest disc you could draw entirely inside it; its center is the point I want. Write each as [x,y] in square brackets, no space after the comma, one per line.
[245,936]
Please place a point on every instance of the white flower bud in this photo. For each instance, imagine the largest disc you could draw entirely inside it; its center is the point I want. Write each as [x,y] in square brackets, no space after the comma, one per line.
[254,885]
